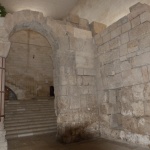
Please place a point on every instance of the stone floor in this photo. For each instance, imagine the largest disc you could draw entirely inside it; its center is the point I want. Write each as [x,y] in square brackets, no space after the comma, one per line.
[48,142]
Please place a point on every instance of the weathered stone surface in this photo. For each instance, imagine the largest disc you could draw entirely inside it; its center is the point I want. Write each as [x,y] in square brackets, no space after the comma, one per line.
[124,38]
[115,121]
[135,22]
[97,27]
[145,74]
[145,17]
[130,124]
[138,109]
[138,92]
[84,23]
[132,77]
[147,91]
[126,27]
[112,96]
[123,50]
[116,32]
[106,38]
[140,30]
[147,106]
[114,43]
[126,109]
[132,46]
[125,65]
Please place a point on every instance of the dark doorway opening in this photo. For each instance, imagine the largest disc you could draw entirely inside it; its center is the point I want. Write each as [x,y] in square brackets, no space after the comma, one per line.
[52,91]
[9,94]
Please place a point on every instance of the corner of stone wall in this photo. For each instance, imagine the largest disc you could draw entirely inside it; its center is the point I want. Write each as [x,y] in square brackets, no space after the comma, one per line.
[122,77]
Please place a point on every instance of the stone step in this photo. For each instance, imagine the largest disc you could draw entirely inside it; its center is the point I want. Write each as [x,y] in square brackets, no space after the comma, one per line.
[29,122]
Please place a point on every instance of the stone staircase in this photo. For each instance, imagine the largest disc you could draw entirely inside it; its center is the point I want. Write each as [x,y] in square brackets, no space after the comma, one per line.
[29,117]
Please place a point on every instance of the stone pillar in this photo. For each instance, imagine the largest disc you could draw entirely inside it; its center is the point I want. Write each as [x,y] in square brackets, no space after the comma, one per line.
[3,142]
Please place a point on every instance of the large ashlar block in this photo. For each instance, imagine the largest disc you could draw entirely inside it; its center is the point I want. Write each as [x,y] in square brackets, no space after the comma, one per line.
[97,27]
[147,91]
[115,120]
[123,50]
[116,32]
[114,43]
[138,109]
[126,109]
[125,65]
[73,19]
[141,60]
[138,92]
[124,38]
[145,17]
[132,77]
[84,24]
[146,107]
[135,22]
[112,96]
[83,34]
[133,46]
[126,27]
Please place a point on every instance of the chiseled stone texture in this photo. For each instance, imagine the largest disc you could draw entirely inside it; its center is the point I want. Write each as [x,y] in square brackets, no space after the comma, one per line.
[124,93]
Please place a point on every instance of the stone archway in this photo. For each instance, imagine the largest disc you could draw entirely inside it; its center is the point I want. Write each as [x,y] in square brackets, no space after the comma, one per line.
[14,22]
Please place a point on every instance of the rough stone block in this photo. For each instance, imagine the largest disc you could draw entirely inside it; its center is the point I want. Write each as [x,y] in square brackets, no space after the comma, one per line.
[138,109]
[130,124]
[144,42]
[74,102]
[73,19]
[125,65]
[147,91]
[126,95]
[97,27]
[124,38]
[135,22]
[145,73]
[104,120]
[114,43]
[109,69]
[104,48]
[72,80]
[123,50]
[115,120]
[88,80]
[146,107]
[116,64]
[83,34]
[145,17]
[126,109]
[116,32]
[139,31]
[89,72]
[141,60]
[132,46]
[138,92]
[132,77]
[126,27]
[79,80]
[79,71]
[84,23]
[106,38]
[112,96]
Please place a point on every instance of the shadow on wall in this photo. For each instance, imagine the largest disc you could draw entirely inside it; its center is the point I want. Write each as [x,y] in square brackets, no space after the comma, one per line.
[9,94]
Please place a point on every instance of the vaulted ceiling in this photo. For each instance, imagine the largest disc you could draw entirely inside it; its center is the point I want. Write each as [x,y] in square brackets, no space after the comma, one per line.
[104,11]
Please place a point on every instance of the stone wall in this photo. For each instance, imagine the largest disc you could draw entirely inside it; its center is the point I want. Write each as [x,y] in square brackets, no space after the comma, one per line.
[123,77]
[29,66]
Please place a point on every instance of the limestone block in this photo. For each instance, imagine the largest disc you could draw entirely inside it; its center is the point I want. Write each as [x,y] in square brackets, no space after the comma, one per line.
[4,48]
[147,91]
[106,108]
[111,56]
[141,60]
[126,95]
[123,50]
[124,38]
[79,80]
[73,19]
[106,38]
[132,77]
[115,120]
[138,9]
[113,26]
[133,46]
[63,103]
[123,58]
[123,20]
[89,72]
[126,27]
[84,23]
[146,107]
[74,102]
[145,17]
[97,27]
[72,80]
[2,20]
[84,90]
[140,30]
[109,69]
[63,90]
[91,101]
[92,89]
[9,22]
[145,73]
[114,81]
[88,80]
[114,43]
[79,71]
[116,64]
[143,125]
[126,109]
[138,109]
[138,92]
[83,34]
[135,22]
[83,101]
[144,42]
[116,32]
[130,124]
[104,48]
[98,39]
[125,65]
[112,96]
[104,120]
